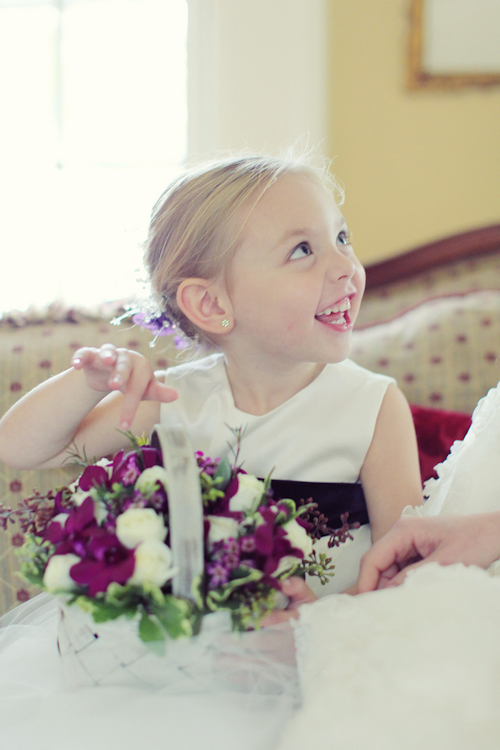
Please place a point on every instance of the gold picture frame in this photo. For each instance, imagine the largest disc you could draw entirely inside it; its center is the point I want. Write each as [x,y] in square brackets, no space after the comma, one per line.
[419,74]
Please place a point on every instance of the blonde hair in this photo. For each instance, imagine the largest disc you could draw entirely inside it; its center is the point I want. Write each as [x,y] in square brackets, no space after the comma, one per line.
[190,230]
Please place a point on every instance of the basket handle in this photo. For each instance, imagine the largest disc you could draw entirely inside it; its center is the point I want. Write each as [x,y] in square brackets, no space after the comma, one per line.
[185,505]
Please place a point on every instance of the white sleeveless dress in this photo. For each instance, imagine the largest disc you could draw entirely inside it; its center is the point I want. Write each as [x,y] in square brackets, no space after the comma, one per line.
[321,434]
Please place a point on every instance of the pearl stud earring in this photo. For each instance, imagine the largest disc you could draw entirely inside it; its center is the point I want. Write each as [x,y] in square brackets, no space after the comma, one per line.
[225,323]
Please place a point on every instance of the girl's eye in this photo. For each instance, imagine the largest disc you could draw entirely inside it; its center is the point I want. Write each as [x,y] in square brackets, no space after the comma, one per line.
[301,251]
[344,237]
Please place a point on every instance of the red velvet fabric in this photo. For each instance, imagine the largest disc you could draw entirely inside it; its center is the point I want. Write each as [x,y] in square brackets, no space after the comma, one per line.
[437,430]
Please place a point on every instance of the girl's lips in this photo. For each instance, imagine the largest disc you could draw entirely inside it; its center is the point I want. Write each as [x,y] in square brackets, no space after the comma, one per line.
[337,315]
[341,305]
[340,321]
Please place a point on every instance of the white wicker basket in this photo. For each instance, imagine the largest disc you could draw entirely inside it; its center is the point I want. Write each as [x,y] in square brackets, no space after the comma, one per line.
[112,653]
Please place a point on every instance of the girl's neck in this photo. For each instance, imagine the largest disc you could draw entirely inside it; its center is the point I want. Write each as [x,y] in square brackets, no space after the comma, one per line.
[258,389]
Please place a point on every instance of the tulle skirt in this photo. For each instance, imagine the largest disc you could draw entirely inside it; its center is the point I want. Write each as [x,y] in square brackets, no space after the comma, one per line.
[39,708]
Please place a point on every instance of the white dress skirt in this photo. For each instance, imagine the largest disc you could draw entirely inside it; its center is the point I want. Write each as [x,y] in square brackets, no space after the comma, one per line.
[416,666]
[413,667]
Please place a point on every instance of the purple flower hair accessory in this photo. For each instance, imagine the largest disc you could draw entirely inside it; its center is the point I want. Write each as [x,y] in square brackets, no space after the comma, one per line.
[160,323]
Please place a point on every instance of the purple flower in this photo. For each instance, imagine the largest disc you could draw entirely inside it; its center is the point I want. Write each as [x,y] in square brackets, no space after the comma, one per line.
[64,536]
[219,575]
[93,476]
[103,558]
[107,561]
[271,543]
[17,540]
[22,595]
[126,467]
[248,544]
[232,561]
[159,323]
[180,342]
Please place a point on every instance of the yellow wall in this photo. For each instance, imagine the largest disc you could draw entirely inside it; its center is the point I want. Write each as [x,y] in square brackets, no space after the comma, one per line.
[417,166]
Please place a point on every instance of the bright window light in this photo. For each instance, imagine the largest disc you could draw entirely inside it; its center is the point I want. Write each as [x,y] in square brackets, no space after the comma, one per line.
[93,128]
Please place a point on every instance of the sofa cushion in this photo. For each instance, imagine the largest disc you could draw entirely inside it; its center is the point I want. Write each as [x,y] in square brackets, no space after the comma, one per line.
[383,303]
[444,353]
[436,430]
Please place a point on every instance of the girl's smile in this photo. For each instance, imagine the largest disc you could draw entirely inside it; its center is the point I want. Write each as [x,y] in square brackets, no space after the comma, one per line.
[337,315]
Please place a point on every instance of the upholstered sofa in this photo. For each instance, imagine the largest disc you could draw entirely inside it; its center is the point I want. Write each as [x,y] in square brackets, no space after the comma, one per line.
[430,318]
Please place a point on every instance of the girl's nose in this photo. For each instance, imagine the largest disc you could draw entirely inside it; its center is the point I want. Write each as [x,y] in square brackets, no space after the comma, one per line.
[340,266]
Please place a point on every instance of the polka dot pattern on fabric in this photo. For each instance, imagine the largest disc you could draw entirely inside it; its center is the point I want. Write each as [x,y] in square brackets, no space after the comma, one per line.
[450,365]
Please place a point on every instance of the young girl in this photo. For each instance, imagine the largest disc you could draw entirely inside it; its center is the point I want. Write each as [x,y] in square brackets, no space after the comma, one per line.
[252,257]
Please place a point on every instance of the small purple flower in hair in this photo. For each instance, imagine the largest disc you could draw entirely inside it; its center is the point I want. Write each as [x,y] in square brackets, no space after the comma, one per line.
[159,323]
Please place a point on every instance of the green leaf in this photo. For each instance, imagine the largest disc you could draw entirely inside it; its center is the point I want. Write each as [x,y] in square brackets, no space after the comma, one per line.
[242,574]
[176,616]
[118,595]
[103,612]
[149,630]
[223,473]
[197,591]
[240,577]
[154,592]
[33,577]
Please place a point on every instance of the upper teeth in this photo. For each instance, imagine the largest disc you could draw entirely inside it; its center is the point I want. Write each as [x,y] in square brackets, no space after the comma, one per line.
[342,306]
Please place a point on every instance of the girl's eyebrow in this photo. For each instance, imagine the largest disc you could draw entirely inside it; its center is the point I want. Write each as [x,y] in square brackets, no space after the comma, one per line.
[301,232]
[291,233]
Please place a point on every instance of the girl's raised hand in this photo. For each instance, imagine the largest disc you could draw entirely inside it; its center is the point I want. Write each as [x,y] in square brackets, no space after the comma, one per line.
[110,369]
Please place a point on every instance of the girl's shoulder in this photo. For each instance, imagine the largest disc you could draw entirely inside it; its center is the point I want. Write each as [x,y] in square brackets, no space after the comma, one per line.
[349,371]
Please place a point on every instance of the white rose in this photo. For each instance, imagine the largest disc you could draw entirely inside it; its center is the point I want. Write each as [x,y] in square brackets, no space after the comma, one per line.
[56,576]
[221,529]
[153,563]
[250,491]
[146,483]
[138,525]
[298,537]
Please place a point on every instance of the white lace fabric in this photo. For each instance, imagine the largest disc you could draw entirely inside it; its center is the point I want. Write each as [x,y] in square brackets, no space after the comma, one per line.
[402,669]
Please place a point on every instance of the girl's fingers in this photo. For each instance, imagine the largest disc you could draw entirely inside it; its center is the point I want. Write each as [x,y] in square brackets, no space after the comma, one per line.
[298,591]
[109,355]
[159,392]
[90,357]
[125,371]
[133,395]
[83,357]
[122,368]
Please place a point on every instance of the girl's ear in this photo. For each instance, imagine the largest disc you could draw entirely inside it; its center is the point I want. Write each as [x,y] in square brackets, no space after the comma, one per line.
[206,305]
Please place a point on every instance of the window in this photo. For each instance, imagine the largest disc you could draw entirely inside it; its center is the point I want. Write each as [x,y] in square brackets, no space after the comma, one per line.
[93,128]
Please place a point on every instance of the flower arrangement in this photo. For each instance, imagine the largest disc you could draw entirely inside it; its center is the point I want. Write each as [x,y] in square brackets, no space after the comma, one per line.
[102,543]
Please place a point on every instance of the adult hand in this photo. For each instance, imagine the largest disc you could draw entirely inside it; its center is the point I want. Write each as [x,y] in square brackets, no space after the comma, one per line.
[412,542]
[298,592]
